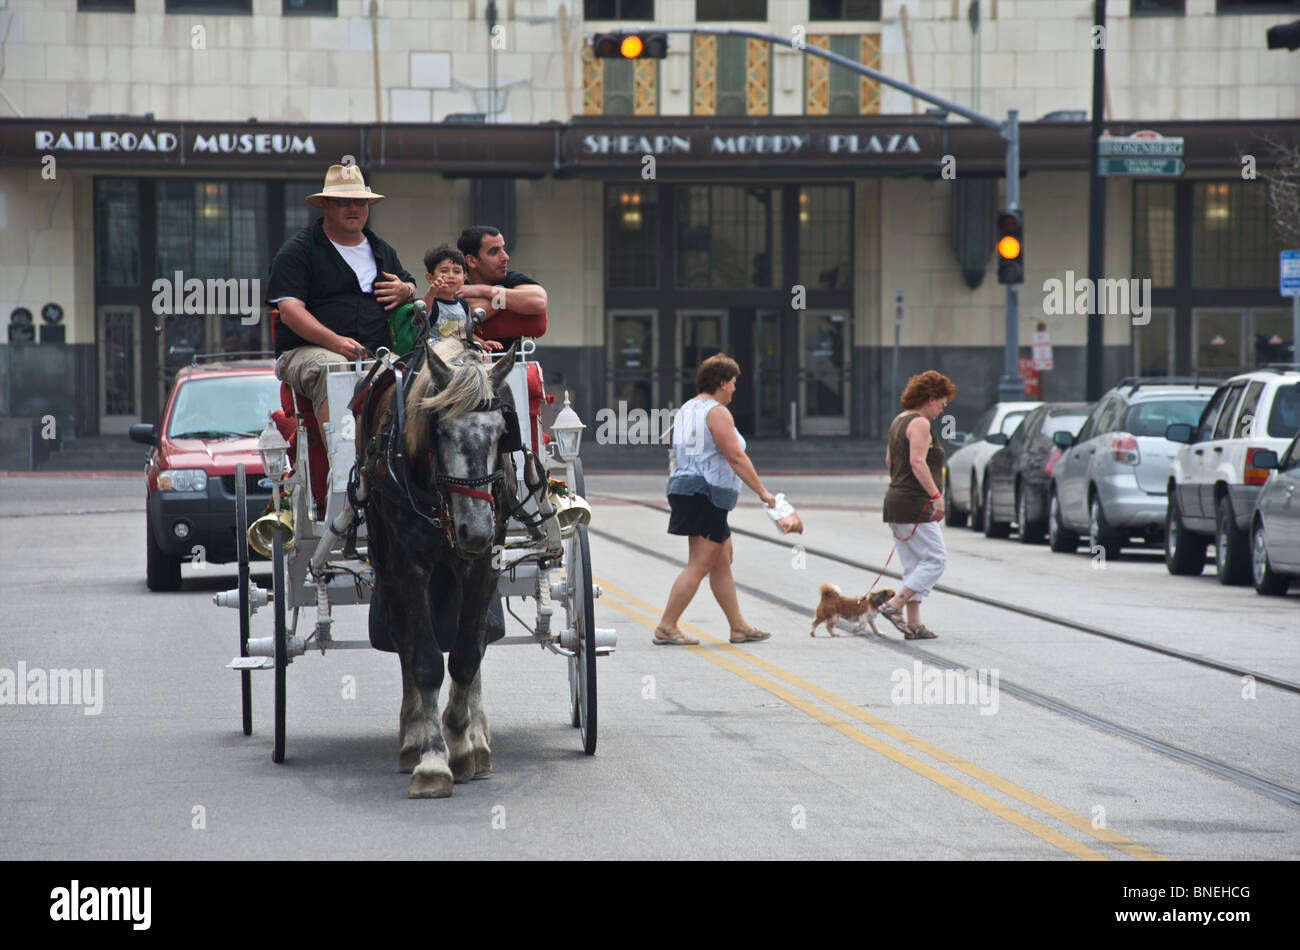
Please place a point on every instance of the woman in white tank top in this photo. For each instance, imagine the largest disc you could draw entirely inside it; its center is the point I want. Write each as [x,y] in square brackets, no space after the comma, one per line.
[710,466]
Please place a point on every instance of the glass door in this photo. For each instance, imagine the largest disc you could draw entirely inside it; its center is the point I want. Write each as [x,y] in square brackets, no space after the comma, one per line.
[632,381]
[769,416]
[1153,345]
[1218,340]
[1270,330]
[700,334]
[119,368]
[824,372]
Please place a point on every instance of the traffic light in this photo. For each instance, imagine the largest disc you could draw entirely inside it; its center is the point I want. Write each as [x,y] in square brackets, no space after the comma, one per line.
[1010,246]
[629,45]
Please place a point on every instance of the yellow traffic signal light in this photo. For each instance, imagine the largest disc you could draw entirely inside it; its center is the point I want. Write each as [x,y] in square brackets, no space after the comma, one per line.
[631,47]
[1008,248]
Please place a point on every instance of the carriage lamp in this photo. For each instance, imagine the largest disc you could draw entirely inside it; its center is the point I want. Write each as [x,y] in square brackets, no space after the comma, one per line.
[273,448]
[568,431]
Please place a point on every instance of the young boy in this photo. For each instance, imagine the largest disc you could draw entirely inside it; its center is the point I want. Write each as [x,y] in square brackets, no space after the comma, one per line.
[445,268]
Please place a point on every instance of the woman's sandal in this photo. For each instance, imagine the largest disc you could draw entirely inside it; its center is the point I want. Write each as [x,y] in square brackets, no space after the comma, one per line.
[674,637]
[919,632]
[746,636]
[895,616]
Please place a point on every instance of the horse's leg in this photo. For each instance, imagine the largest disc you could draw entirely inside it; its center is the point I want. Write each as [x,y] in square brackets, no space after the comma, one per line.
[463,722]
[411,728]
[432,775]
[480,736]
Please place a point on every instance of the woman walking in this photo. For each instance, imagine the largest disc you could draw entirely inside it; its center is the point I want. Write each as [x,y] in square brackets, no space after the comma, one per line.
[710,465]
[914,503]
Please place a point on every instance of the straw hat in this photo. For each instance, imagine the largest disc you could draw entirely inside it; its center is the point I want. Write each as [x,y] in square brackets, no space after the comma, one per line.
[344,181]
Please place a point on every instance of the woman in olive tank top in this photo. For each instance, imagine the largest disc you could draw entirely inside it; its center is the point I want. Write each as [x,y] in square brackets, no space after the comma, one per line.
[914,503]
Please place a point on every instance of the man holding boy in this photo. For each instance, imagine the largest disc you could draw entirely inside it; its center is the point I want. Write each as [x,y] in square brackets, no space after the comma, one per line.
[498,290]
[445,270]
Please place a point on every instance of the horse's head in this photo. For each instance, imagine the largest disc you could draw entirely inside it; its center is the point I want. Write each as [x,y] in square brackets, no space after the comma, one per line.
[470,409]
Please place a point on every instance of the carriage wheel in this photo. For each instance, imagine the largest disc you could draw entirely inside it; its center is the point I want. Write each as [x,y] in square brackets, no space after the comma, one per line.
[582,666]
[241,550]
[579,483]
[281,645]
[575,688]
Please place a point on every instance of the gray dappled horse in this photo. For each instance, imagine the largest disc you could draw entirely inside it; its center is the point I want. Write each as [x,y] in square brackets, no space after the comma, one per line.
[435,512]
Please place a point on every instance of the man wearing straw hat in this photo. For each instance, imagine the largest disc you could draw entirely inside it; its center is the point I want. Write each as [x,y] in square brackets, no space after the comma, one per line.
[334,283]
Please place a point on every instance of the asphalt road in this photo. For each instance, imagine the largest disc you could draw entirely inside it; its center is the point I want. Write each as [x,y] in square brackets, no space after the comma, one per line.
[794,748]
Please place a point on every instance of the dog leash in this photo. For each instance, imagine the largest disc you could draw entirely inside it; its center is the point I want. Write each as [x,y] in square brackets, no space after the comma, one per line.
[928,504]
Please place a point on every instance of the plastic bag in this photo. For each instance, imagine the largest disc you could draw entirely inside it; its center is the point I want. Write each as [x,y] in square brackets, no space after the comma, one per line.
[784,516]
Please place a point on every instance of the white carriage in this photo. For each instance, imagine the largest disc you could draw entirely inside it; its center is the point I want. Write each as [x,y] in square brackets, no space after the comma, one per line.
[318,564]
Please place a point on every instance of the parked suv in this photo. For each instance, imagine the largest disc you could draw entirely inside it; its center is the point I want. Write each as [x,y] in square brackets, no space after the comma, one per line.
[963,482]
[209,424]
[1213,483]
[1110,482]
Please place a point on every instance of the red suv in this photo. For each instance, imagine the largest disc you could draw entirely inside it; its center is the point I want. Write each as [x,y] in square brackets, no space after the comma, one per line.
[210,423]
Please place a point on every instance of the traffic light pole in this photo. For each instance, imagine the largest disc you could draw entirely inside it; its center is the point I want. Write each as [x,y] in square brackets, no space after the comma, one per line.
[1010,386]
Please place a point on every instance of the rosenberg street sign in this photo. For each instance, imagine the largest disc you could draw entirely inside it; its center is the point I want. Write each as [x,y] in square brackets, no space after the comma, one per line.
[1140,147]
[1289,274]
[1140,166]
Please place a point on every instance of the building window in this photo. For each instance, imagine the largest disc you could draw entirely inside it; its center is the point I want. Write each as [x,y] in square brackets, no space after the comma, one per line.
[1153,232]
[106,6]
[730,75]
[730,10]
[632,230]
[844,10]
[1257,6]
[210,230]
[297,213]
[1233,241]
[728,237]
[117,237]
[1157,7]
[826,237]
[619,86]
[618,9]
[310,7]
[209,6]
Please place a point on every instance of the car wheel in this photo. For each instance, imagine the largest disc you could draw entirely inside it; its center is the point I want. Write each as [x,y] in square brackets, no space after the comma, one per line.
[976,512]
[951,516]
[1031,532]
[992,527]
[1267,581]
[1099,532]
[1058,538]
[1184,550]
[161,571]
[1231,559]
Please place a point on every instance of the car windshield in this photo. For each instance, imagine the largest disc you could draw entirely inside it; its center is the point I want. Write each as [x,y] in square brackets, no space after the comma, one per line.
[1284,420]
[223,407]
[1012,422]
[1154,417]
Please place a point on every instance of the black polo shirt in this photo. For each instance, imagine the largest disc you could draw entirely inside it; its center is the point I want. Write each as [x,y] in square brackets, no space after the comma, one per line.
[309,268]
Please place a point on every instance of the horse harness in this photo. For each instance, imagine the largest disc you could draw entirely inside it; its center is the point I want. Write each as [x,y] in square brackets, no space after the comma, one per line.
[386,445]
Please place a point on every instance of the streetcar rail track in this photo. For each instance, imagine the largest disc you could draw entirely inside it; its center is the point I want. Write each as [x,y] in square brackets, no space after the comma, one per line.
[1089,629]
[1242,777]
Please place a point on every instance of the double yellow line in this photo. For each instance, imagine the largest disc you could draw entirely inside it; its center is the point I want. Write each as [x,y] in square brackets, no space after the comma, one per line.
[723,654]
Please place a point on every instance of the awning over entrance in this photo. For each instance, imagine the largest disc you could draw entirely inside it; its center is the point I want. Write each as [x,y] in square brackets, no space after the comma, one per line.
[681,146]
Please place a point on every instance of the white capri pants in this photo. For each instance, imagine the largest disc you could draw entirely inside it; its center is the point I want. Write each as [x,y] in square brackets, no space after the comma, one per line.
[923,556]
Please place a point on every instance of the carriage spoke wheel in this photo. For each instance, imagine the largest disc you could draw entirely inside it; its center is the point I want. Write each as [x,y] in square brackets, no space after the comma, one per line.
[241,550]
[582,665]
[281,646]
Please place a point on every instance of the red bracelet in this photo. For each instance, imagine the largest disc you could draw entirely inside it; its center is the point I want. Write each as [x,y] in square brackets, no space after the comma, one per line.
[937,494]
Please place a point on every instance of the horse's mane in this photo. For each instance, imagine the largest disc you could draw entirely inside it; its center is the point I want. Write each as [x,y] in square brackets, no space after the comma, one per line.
[469,387]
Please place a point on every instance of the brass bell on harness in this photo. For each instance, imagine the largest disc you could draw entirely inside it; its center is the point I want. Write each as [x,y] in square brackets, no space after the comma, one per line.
[570,507]
[261,533]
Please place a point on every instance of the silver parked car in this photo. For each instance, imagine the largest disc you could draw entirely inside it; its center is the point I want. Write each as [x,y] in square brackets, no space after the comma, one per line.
[963,482]
[1275,523]
[1110,483]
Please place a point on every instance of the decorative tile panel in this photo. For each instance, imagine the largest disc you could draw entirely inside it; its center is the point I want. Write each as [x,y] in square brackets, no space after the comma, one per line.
[645,87]
[869,89]
[817,98]
[704,74]
[758,77]
[593,84]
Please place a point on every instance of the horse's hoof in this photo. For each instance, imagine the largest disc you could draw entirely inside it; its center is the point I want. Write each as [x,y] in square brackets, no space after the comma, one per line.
[426,785]
[463,768]
[482,763]
[408,760]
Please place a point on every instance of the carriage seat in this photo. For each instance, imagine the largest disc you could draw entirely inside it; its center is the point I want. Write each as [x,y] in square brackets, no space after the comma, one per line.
[318,458]
[508,324]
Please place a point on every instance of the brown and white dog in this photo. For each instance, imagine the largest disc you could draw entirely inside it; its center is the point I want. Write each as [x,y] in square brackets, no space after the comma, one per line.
[833,605]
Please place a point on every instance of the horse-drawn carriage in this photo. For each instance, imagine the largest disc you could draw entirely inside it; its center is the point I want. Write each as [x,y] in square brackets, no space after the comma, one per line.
[444,468]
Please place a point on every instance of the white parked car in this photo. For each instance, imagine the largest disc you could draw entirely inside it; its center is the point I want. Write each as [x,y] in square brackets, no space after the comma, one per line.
[963,477]
[1214,483]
